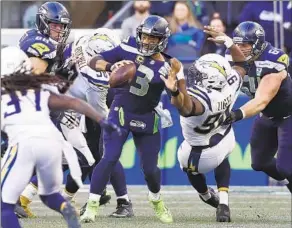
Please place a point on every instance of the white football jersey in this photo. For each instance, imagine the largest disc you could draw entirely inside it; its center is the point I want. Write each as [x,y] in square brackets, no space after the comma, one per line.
[82,54]
[26,114]
[197,130]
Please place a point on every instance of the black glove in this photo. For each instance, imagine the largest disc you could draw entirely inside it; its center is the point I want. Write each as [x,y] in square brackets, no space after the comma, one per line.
[233,117]
[111,127]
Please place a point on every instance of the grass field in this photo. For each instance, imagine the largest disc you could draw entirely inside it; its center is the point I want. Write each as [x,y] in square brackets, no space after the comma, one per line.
[258,207]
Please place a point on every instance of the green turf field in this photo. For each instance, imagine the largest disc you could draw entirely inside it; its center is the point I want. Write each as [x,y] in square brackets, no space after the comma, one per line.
[257,207]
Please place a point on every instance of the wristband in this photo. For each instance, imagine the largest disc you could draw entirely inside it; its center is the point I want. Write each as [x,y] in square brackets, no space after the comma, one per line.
[239,114]
[228,42]
[174,94]
[108,67]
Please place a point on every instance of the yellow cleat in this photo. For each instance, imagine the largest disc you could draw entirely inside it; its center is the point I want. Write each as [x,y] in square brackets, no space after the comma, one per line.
[24,203]
[90,212]
[161,211]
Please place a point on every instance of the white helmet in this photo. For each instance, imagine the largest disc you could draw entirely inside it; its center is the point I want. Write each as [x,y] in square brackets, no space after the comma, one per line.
[210,71]
[13,60]
[103,39]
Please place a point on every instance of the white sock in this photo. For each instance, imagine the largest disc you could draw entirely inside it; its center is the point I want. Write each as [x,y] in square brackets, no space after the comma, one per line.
[223,197]
[30,191]
[94,197]
[126,197]
[67,195]
[206,195]
[154,196]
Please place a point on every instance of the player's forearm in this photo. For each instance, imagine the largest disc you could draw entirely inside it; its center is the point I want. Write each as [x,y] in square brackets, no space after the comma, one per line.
[85,109]
[236,54]
[97,63]
[182,104]
[253,107]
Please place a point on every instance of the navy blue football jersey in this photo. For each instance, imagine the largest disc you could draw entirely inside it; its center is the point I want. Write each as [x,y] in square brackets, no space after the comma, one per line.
[272,60]
[35,44]
[142,95]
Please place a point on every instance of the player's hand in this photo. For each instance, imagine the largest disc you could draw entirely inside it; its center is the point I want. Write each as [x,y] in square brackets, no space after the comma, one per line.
[119,64]
[109,126]
[171,81]
[217,37]
[233,117]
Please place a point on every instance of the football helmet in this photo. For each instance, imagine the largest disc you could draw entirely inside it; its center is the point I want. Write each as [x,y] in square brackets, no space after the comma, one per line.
[252,33]
[209,71]
[53,12]
[153,26]
[13,60]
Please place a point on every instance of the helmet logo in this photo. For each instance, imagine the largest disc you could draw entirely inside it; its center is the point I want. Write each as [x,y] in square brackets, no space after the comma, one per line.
[218,67]
[65,20]
[259,32]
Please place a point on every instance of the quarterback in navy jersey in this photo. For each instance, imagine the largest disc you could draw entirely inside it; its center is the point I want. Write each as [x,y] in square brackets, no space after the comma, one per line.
[133,110]
[269,85]
[44,43]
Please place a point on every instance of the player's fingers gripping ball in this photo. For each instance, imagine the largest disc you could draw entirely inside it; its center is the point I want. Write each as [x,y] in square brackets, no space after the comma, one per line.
[122,75]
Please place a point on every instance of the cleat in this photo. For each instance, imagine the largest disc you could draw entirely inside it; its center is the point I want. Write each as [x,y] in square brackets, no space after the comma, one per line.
[24,203]
[90,212]
[19,211]
[104,199]
[161,211]
[223,213]
[70,215]
[214,200]
[124,209]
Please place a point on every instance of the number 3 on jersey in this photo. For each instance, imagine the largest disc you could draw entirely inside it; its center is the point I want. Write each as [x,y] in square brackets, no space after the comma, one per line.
[144,77]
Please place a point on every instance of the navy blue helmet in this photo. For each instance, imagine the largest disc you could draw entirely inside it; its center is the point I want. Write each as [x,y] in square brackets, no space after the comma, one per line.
[154,26]
[55,13]
[251,33]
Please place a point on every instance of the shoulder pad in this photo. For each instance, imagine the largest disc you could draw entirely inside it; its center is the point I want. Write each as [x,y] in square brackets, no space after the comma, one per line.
[202,95]
[276,55]
[37,45]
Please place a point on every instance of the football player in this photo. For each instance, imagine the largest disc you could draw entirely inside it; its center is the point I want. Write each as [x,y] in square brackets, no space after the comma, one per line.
[30,131]
[213,87]
[92,86]
[270,87]
[53,25]
[133,110]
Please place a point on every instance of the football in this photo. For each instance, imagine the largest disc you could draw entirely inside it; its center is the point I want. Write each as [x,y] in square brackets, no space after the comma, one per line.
[122,75]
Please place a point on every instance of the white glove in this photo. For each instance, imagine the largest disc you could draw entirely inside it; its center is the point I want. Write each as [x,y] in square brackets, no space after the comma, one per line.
[166,120]
[73,164]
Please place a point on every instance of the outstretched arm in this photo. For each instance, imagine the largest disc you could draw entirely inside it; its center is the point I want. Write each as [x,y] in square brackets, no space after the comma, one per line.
[238,57]
[267,90]
[186,105]
[63,102]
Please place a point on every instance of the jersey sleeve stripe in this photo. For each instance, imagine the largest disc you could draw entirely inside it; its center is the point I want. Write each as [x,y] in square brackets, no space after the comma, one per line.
[205,95]
[95,81]
[197,93]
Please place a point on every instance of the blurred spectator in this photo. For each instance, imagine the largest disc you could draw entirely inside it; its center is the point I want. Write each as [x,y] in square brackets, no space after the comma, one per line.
[211,47]
[29,17]
[130,24]
[200,11]
[228,11]
[10,14]
[162,8]
[186,29]
[263,13]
